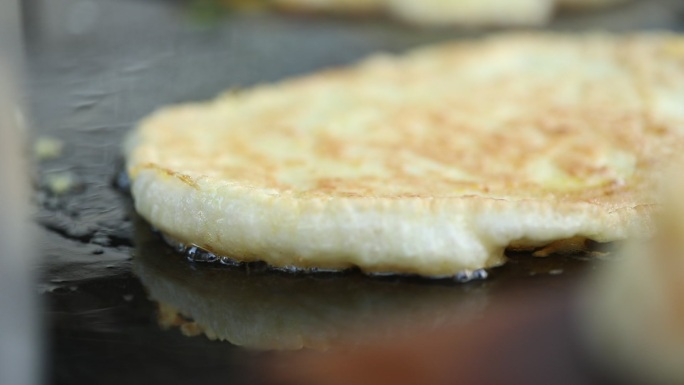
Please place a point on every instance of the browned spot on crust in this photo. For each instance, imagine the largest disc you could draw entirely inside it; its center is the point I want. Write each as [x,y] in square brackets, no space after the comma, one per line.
[182,177]
[187,180]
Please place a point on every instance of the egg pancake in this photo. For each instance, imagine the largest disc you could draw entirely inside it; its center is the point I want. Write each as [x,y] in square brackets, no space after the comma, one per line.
[431,163]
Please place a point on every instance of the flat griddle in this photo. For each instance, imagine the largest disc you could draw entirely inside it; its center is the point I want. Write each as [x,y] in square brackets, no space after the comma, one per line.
[95,68]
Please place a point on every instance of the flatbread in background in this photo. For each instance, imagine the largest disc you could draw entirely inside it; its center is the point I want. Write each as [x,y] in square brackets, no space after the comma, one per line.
[439,12]
[431,163]
[451,12]
[587,4]
[633,310]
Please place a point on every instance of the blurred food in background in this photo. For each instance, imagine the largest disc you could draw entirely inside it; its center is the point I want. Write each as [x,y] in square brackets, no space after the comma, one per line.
[21,339]
[465,13]
[634,309]
[586,4]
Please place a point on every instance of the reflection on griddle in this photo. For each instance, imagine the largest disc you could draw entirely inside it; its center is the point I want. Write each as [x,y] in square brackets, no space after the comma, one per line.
[266,309]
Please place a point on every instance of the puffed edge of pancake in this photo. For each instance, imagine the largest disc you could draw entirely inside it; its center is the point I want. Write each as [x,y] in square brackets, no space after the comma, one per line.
[425,236]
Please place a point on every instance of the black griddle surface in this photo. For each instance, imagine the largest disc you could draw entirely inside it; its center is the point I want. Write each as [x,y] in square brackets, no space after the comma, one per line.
[95,68]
